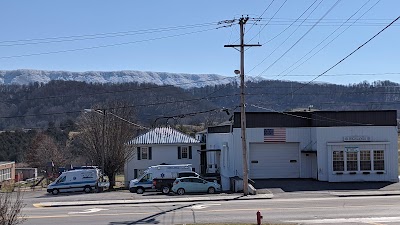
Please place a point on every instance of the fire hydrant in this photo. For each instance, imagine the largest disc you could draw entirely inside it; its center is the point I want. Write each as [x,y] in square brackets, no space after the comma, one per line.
[259,218]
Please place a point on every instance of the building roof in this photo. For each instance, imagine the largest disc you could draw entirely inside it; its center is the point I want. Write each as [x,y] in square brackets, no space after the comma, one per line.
[6,162]
[318,119]
[163,135]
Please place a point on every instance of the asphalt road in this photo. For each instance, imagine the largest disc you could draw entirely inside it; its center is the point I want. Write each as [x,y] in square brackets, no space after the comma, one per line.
[375,210]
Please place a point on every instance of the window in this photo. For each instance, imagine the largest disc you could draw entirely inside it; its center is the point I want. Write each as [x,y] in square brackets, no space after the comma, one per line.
[338,161]
[352,161]
[184,152]
[379,160]
[365,160]
[358,161]
[5,174]
[62,179]
[144,153]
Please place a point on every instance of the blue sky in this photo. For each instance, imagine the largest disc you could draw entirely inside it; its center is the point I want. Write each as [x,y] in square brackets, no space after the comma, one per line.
[181,36]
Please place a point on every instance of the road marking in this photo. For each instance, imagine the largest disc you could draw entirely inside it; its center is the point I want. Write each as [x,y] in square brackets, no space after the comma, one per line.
[84,215]
[209,211]
[203,206]
[369,220]
[88,211]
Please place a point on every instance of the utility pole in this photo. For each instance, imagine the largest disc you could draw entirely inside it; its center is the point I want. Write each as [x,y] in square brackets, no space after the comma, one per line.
[242,22]
[104,143]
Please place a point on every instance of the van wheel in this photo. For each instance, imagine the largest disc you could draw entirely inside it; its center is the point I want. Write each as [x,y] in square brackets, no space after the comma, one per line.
[165,190]
[55,191]
[139,190]
[211,190]
[87,189]
[180,191]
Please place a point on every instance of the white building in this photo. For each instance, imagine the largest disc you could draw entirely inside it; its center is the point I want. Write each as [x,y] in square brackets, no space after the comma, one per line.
[162,145]
[333,146]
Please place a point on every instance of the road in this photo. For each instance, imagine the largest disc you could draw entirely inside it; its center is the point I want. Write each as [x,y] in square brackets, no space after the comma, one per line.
[375,210]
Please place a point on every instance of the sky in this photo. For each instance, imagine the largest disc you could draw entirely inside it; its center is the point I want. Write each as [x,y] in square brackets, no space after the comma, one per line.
[189,36]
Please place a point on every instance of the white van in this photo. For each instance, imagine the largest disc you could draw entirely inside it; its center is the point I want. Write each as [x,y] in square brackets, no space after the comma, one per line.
[76,180]
[145,181]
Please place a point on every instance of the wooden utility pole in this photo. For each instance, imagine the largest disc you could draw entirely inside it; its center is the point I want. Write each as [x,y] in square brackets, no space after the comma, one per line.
[242,22]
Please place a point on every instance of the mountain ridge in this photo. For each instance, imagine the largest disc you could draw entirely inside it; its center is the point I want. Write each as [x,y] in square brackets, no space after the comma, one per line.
[183,80]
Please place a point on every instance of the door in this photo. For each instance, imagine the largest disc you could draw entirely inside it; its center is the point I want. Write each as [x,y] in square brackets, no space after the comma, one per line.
[274,160]
[309,165]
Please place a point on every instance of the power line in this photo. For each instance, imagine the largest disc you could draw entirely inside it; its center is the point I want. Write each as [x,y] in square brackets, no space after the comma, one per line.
[105,46]
[329,36]
[308,118]
[272,52]
[340,61]
[301,38]
[132,106]
[269,20]
[99,35]
[256,20]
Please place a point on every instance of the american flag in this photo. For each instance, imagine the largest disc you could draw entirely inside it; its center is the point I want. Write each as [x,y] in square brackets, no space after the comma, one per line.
[275,135]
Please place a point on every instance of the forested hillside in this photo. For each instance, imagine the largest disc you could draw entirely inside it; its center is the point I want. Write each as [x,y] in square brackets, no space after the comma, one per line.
[35,105]
[52,109]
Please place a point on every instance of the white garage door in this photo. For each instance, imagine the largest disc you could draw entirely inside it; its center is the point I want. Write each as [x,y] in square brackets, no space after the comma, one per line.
[274,161]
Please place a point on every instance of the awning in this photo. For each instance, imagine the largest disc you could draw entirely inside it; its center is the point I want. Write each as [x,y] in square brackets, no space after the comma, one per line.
[209,150]
[308,151]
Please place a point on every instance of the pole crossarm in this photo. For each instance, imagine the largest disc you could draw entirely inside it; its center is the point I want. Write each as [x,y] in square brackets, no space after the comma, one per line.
[233,46]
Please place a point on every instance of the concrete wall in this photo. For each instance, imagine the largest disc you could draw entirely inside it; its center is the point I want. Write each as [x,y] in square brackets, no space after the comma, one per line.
[224,141]
[379,135]
[312,139]
[162,154]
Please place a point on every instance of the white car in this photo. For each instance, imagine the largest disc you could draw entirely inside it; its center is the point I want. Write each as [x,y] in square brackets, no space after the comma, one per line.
[194,184]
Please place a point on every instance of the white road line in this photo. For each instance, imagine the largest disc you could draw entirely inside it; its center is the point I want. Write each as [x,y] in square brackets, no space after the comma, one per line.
[348,220]
[93,210]
[203,206]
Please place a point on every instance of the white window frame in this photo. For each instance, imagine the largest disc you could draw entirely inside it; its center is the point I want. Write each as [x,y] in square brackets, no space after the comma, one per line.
[359,170]
[368,160]
[186,150]
[142,150]
[343,160]
[373,158]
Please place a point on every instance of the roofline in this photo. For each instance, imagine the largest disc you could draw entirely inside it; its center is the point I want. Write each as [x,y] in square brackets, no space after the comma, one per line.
[7,162]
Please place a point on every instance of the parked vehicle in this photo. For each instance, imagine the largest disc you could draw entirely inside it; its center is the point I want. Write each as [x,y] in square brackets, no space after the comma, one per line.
[85,180]
[145,181]
[165,184]
[194,184]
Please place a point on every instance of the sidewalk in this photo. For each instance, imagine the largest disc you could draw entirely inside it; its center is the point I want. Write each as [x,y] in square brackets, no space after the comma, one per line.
[229,197]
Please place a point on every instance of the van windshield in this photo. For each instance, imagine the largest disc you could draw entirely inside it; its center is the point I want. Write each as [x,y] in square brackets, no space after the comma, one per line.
[61,179]
[146,177]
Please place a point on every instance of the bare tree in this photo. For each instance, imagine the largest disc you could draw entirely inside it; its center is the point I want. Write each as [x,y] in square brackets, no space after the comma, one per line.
[43,150]
[11,205]
[104,136]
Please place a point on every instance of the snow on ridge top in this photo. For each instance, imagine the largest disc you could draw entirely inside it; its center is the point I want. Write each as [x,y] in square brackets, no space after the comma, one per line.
[183,80]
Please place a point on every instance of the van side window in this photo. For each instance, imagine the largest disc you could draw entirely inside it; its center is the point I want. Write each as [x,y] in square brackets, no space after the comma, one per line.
[62,179]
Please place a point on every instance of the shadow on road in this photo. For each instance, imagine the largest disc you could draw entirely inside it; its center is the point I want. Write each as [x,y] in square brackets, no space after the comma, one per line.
[292,185]
[151,219]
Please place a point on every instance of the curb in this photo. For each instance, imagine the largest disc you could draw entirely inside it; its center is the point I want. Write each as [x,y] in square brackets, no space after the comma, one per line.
[365,194]
[147,201]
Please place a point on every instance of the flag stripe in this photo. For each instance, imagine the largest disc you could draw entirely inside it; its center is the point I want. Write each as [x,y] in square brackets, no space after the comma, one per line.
[275,135]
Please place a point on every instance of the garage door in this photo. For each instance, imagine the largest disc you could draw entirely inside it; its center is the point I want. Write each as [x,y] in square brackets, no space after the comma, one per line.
[274,161]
